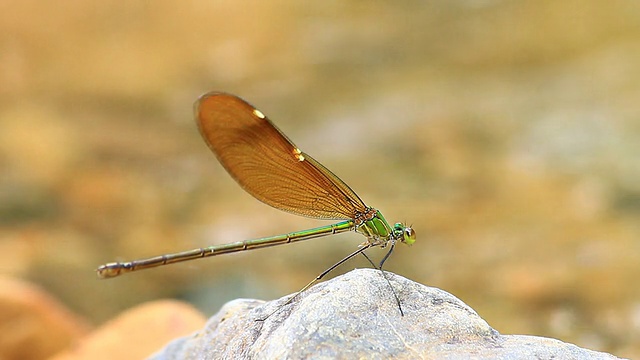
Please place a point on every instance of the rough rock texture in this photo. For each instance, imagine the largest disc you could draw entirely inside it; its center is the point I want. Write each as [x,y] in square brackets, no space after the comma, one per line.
[356,316]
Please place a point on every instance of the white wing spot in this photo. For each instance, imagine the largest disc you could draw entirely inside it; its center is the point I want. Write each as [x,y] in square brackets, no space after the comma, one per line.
[258,113]
[298,154]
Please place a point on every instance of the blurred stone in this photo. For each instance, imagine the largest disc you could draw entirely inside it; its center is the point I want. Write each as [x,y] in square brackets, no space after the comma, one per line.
[33,325]
[356,316]
[138,332]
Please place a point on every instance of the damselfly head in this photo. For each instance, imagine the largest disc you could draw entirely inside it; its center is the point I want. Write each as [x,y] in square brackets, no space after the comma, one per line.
[405,233]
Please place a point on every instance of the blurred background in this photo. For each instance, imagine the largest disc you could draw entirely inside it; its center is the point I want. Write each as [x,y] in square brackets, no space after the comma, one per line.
[506,132]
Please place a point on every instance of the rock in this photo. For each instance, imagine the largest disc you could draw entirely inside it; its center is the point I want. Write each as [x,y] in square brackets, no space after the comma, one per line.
[356,316]
[137,332]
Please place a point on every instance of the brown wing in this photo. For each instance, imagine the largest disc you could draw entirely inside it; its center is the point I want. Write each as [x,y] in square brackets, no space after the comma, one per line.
[267,164]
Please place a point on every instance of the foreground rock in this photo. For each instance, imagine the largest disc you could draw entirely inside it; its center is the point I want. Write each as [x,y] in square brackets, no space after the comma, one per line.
[356,316]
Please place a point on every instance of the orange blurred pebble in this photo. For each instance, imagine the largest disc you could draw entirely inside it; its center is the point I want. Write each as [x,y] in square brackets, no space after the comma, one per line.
[33,325]
[138,332]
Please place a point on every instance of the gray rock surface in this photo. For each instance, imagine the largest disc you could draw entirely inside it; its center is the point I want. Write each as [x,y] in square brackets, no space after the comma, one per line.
[355,316]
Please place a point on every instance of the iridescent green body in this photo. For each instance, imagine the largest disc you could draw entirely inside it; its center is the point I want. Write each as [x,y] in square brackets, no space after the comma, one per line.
[376,229]
[118,268]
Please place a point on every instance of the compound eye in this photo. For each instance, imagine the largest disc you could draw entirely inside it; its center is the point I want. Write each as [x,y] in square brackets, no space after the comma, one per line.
[409,236]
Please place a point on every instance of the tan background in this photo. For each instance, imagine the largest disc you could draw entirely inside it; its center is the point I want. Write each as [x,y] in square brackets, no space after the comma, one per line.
[506,132]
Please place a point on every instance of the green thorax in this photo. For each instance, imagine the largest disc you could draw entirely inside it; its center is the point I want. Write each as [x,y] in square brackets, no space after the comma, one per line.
[376,227]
